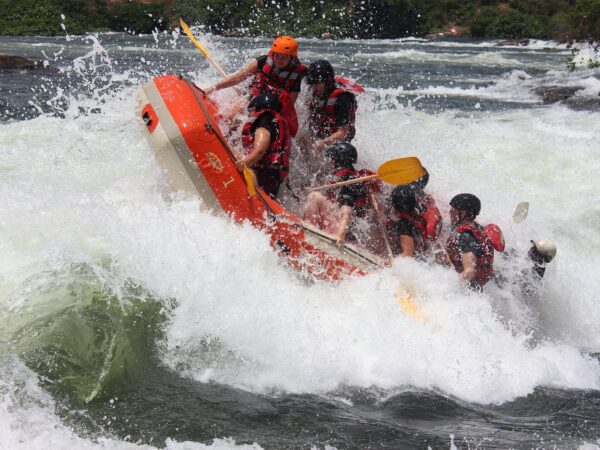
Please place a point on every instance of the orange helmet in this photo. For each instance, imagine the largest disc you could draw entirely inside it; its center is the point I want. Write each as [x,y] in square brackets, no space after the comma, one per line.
[286,45]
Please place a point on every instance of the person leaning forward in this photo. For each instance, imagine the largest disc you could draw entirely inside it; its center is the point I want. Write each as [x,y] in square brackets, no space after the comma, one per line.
[470,246]
[338,211]
[280,72]
[267,141]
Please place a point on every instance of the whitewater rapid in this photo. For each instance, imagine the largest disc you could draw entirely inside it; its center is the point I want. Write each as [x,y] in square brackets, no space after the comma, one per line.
[84,189]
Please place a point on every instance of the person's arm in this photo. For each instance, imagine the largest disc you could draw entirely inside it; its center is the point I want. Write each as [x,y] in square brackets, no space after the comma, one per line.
[340,234]
[338,135]
[235,78]
[407,244]
[468,260]
[262,140]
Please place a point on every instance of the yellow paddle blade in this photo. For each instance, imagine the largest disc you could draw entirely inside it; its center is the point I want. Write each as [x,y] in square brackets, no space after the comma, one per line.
[401,170]
[188,32]
[249,176]
[408,306]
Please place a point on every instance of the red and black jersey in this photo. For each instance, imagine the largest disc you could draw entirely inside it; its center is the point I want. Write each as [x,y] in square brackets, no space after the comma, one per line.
[484,262]
[324,118]
[354,195]
[270,79]
[278,154]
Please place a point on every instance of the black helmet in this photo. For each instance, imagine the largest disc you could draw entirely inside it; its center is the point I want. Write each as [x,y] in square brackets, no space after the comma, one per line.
[468,203]
[320,71]
[265,101]
[343,154]
[403,199]
[421,182]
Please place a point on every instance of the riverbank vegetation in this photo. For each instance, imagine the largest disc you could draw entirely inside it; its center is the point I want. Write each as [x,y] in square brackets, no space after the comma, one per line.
[562,20]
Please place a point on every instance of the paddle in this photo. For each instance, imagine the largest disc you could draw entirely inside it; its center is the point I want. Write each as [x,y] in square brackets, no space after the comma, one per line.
[521,212]
[188,32]
[395,171]
[249,177]
[248,174]
[382,228]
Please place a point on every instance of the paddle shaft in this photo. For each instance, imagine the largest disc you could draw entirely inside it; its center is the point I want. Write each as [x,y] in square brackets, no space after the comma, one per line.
[345,183]
[382,228]
[189,34]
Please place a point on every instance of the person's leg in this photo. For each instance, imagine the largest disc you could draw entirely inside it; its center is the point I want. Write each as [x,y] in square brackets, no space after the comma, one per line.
[269,180]
[320,212]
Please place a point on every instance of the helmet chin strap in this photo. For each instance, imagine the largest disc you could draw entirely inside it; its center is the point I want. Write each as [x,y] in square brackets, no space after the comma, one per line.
[462,216]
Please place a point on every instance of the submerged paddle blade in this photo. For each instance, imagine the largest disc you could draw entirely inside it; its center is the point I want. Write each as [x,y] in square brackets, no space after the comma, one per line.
[408,306]
[401,170]
[521,212]
[249,176]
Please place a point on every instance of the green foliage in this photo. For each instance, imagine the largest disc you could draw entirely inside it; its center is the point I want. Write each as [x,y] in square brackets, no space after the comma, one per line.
[586,20]
[490,22]
[483,20]
[139,18]
[217,15]
[540,7]
[560,19]
[36,17]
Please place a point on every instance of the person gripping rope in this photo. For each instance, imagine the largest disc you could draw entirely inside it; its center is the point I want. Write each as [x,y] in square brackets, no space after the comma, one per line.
[266,138]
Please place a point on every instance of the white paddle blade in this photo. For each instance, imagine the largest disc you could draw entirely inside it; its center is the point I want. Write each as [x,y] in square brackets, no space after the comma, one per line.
[521,212]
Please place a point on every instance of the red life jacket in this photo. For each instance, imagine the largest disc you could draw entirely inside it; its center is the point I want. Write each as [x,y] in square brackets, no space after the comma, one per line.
[323,120]
[429,211]
[484,264]
[418,221]
[362,202]
[277,155]
[271,79]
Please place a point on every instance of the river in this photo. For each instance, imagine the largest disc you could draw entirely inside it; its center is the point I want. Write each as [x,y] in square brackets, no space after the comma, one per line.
[129,319]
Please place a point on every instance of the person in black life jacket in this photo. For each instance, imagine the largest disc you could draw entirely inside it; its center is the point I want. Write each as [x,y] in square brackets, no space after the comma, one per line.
[333,212]
[469,248]
[332,107]
[280,72]
[266,138]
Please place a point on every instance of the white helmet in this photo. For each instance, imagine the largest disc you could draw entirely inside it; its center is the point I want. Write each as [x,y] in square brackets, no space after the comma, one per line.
[546,248]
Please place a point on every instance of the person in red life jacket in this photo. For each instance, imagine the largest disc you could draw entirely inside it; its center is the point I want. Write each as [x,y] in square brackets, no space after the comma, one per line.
[427,207]
[334,211]
[332,107]
[411,236]
[267,140]
[279,72]
[470,246]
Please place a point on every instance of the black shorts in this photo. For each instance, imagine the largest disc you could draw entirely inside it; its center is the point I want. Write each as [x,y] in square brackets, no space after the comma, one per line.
[270,180]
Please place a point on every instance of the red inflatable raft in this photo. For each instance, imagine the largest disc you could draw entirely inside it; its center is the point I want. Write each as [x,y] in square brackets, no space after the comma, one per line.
[194,156]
